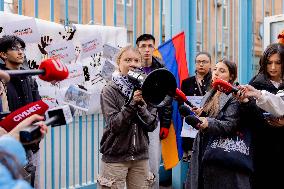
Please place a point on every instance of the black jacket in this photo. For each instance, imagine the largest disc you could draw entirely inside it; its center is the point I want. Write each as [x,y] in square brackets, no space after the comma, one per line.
[269,143]
[165,112]
[21,91]
[190,88]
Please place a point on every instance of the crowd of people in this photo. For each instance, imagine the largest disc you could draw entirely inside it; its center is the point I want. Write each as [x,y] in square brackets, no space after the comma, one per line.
[238,144]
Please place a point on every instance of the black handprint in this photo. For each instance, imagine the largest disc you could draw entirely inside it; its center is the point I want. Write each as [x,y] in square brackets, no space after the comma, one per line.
[32,64]
[86,73]
[77,50]
[70,32]
[1,29]
[45,41]
[96,60]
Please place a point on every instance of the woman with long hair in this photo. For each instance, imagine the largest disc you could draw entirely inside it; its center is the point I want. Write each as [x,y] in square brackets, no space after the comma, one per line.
[220,116]
[269,131]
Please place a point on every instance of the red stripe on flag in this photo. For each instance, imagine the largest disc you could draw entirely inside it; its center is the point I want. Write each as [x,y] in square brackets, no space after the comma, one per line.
[179,44]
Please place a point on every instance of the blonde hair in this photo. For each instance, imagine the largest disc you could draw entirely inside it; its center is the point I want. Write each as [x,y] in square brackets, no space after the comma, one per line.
[124,49]
[211,107]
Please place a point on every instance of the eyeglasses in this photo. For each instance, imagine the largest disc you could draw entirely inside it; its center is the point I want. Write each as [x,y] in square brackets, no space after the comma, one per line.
[16,48]
[201,61]
[144,46]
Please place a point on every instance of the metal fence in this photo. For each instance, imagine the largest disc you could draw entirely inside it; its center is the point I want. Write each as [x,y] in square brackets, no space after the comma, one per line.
[69,154]
[224,28]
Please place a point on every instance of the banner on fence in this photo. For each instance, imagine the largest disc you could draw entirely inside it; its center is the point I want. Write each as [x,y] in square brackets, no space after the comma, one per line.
[79,46]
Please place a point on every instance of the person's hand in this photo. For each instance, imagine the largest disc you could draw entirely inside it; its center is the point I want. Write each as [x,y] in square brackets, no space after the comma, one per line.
[276,122]
[4,76]
[28,122]
[2,131]
[197,111]
[137,98]
[164,132]
[240,95]
[250,91]
[204,123]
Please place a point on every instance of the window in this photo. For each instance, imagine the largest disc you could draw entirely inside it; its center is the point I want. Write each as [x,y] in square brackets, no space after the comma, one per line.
[198,11]
[128,2]
[225,16]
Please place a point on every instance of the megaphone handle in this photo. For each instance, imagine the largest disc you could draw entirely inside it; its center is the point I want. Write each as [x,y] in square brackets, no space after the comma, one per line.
[131,97]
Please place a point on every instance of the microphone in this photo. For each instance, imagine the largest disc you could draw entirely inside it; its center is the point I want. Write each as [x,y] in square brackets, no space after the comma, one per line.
[224,86]
[57,116]
[193,121]
[180,96]
[49,70]
[14,118]
[190,117]
[185,111]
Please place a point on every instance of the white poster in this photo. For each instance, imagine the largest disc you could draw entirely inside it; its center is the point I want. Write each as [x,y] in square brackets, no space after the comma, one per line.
[76,75]
[25,29]
[52,34]
[188,130]
[110,52]
[78,98]
[64,51]
[91,46]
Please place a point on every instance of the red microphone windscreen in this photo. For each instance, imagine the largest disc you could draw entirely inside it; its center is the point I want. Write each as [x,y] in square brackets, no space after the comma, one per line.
[54,70]
[14,118]
[223,86]
[181,95]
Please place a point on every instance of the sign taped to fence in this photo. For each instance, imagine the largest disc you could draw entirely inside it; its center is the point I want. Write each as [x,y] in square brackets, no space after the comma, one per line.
[25,29]
[90,37]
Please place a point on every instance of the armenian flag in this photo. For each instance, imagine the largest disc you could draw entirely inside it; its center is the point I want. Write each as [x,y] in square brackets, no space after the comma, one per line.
[173,54]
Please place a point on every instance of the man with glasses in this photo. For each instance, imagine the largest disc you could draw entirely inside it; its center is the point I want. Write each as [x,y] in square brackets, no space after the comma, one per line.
[21,90]
[146,46]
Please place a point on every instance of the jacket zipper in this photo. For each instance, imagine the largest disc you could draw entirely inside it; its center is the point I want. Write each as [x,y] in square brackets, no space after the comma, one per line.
[134,141]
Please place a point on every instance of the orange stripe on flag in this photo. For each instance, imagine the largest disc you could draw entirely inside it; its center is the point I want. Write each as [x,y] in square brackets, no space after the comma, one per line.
[169,149]
[157,54]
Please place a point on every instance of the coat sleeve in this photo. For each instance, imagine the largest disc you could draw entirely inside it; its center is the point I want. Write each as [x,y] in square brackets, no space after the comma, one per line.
[35,92]
[117,118]
[227,120]
[165,113]
[147,118]
[271,103]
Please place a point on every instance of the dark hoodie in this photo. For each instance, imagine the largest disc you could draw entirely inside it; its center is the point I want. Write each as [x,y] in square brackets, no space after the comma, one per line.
[21,91]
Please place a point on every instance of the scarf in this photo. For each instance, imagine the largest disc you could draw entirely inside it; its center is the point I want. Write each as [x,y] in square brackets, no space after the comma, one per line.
[122,82]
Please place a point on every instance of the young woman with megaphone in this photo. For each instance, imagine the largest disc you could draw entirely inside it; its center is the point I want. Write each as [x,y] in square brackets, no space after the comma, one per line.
[124,144]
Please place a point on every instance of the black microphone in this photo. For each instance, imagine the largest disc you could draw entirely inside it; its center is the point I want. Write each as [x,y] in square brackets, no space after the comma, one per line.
[193,121]
[58,116]
[185,111]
